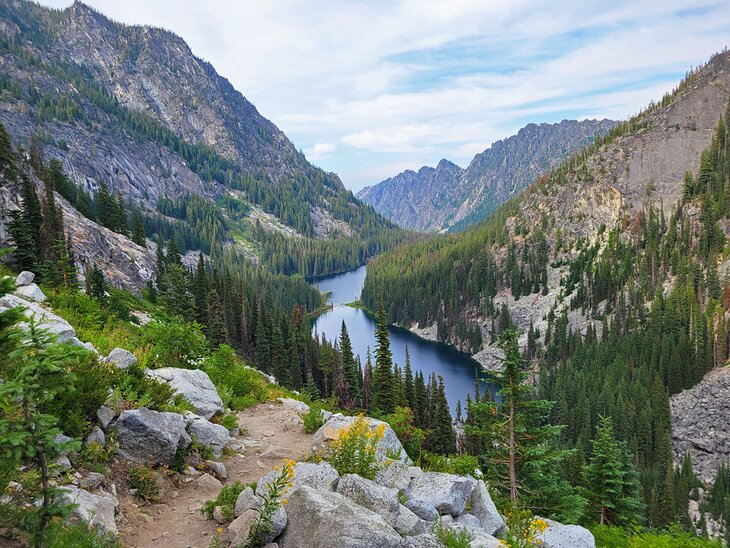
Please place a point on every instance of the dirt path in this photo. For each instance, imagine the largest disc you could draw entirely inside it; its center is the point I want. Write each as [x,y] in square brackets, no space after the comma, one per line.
[275,433]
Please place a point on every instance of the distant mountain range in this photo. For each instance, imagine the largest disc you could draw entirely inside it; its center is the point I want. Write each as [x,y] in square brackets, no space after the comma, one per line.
[450,198]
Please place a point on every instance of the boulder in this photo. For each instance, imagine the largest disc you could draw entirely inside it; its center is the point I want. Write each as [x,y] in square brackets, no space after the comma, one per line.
[95,509]
[295,406]
[320,476]
[105,415]
[558,535]
[206,433]
[338,423]
[92,480]
[422,509]
[278,523]
[422,541]
[237,532]
[319,518]
[409,523]
[195,386]
[446,492]
[370,495]
[45,319]
[150,436]
[31,292]
[24,278]
[96,436]
[468,520]
[483,508]
[217,469]
[397,475]
[206,482]
[121,358]
[247,500]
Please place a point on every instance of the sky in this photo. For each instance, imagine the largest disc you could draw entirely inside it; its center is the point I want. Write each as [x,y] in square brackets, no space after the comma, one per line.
[370,88]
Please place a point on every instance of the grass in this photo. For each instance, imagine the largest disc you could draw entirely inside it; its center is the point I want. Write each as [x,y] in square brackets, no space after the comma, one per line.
[226,499]
[616,537]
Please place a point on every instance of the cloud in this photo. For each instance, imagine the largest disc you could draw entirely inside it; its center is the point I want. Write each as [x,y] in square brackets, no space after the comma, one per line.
[387,84]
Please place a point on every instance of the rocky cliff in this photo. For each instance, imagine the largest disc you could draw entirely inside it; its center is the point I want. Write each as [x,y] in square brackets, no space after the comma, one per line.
[701,423]
[449,197]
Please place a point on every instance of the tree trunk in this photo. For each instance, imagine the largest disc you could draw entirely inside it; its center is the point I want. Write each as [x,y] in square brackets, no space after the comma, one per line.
[512,471]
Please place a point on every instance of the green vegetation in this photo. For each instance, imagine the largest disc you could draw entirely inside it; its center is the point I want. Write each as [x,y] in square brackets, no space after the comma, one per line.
[354,452]
[226,500]
[616,537]
[146,481]
[271,500]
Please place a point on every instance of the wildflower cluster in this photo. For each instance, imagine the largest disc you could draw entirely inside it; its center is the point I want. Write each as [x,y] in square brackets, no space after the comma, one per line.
[354,452]
[272,501]
[523,530]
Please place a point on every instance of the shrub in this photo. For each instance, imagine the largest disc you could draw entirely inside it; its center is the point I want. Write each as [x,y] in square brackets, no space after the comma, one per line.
[226,499]
[615,537]
[355,450]
[79,535]
[243,386]
[146,481]
[175,344]
[230,421]
[272,500]
[462,465]
[451,538]
[313,420]
[137,388]
[412,437]
[522,529]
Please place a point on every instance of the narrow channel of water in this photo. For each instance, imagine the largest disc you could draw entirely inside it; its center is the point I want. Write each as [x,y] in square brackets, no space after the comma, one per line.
[457,368]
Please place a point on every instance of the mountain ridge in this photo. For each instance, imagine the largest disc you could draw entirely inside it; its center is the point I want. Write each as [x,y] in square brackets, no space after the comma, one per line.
[440,199]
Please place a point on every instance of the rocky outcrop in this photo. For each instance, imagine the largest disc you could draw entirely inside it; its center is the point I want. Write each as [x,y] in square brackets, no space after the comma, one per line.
[372,496]
[44,318]
[150,436]
[435,199]
[389,447]
[95,509]
[447,493]
[320,476]
[701,423]
[195,386]
[329,519]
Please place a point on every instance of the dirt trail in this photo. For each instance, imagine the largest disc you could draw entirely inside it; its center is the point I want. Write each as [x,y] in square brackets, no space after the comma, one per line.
[274,434]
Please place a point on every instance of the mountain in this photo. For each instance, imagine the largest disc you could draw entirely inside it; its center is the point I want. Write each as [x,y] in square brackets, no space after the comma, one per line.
[613,270]
[451,198]
[134,109]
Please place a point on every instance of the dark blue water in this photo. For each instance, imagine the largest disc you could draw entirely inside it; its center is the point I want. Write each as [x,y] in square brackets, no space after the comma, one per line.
[457,368]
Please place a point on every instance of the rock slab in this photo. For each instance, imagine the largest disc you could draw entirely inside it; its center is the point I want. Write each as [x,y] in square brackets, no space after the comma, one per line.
[195,386]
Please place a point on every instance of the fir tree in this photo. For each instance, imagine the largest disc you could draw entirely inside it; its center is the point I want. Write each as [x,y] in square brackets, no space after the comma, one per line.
[349,367]
[383,387]
[96,284]
[7,158]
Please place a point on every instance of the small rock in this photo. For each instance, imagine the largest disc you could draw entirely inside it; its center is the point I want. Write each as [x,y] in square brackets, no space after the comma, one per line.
[92,480]
[209,483]
[296,406]
[96,436]
[422,509]
[247,500]
[24,278]
[150,436]
[422,541]
[105,415]
[121,358]
[218,469]
[237,532]
[218,515]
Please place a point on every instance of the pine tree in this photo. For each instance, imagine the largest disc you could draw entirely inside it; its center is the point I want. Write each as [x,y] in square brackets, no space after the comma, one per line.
[611,487]
[443,436]
[96,284]
[200,292]
[7,158]
[138,235]
[384,396]
[408,387]
[349,367]
[367,383]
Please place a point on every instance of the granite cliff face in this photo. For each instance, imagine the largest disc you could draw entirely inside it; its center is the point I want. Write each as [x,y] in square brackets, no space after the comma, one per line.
[451,198]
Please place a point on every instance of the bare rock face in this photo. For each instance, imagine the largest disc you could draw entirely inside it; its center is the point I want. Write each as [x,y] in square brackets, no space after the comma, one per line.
[701,423]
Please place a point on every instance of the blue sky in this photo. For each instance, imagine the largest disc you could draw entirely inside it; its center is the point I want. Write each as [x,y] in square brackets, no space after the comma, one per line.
[370,88]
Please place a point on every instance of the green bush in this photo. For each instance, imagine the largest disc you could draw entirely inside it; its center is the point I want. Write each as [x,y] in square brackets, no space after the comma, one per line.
[146,481]
[354,452]
[78,535]
[226,499]
[313,420]
[462,465]
[244,386]
[135,387]
[616,537]
[412,437]
[174,344]
[76,408]
[451,538]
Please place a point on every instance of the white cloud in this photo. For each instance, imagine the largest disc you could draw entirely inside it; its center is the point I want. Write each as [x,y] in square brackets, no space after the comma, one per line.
[409,82]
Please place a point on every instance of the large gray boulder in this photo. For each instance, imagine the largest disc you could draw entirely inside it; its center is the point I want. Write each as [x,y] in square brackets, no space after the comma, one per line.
[483,508]
[206,433]
[409,523]
[95,509]
[195,386]
[445,492]
[150,436]
[426,540]
[397,475]
[320,476]
[121,358]
[369,494]
[45,319]
[389,446]
[24,278]
[558,535]
[31,292]
[422,509]
[323,519]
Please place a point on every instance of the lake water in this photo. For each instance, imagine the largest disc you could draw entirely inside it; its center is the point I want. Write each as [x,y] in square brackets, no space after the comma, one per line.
[457,368]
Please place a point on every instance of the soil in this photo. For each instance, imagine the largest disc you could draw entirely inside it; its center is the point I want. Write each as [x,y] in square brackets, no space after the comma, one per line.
[271,433]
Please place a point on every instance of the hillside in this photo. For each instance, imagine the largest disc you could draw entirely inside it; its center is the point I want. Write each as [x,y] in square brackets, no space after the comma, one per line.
[134,109]
[612,267]
[451,198]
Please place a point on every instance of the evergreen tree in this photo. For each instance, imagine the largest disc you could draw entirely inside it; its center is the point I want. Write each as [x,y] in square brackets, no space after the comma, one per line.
[7,158]
[349,367]
[383,387]
[612,489]
[96,284]
[443,438]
